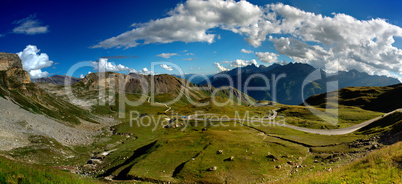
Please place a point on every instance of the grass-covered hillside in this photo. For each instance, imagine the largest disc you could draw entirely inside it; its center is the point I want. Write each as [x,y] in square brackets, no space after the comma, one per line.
[381,99]
[380,166]
[17,172]
[157,141]
[232,152]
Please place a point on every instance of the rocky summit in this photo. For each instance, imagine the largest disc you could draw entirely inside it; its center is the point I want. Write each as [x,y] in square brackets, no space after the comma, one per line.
[12,65]
[8,61]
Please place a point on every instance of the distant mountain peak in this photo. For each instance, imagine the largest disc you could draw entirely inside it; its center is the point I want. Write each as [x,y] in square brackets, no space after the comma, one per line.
[289,88]
[57,80]
[251,66]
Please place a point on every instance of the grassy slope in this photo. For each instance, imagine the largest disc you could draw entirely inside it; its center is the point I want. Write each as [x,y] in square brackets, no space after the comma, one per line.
[165,154]
[160,154]
[346,116]
[356,104]
[16,172]
[41,147]
[170,159]
[381,99]
[236,140]
[383,165]
[380,166]
[391,123]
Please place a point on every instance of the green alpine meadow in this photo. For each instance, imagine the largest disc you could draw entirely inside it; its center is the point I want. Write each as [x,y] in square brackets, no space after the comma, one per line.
[200,91]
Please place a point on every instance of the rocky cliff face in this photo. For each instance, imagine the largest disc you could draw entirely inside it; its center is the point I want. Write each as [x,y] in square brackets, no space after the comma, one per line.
[20,75]
[12,65]
[8,61]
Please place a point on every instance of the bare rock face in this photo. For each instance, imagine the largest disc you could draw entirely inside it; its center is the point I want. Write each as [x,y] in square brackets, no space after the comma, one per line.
[21,75]
[12,64]
[8,61]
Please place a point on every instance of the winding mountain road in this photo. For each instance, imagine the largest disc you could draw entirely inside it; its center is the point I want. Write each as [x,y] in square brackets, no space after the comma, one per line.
[341,131]
[149,101]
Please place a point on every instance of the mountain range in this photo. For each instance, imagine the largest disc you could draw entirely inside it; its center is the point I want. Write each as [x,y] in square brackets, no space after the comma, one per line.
[57,80]
[157,84]
[289,87]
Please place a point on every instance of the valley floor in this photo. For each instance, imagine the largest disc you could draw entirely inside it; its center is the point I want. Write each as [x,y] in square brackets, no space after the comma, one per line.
[197,149]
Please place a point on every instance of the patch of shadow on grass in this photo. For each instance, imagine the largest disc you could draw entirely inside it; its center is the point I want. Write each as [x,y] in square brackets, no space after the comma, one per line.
[138,153]
[178,169]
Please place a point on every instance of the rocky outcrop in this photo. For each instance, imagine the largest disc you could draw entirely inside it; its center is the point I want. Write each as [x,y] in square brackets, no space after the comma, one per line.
[19,74]
[12,74]
[8,61]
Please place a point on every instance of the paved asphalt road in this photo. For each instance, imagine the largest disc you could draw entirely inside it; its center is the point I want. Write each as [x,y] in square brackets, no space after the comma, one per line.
[309,130]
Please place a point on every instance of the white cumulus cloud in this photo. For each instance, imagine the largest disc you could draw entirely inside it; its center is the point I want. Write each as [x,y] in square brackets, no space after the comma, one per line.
[30,25]
[189,22]
[145,71]
[247,51]
[220,67]
[103,65]
[267,57]
[339,41]
[38,74]
[34,62]
[364,45]
[235,63]
[166,67]
[166,55]
[241,63]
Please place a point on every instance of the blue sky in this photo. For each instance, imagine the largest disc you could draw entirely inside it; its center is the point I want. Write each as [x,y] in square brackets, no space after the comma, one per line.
[68,32]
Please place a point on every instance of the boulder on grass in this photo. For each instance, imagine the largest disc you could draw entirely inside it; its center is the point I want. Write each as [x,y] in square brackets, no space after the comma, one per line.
[213,168]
